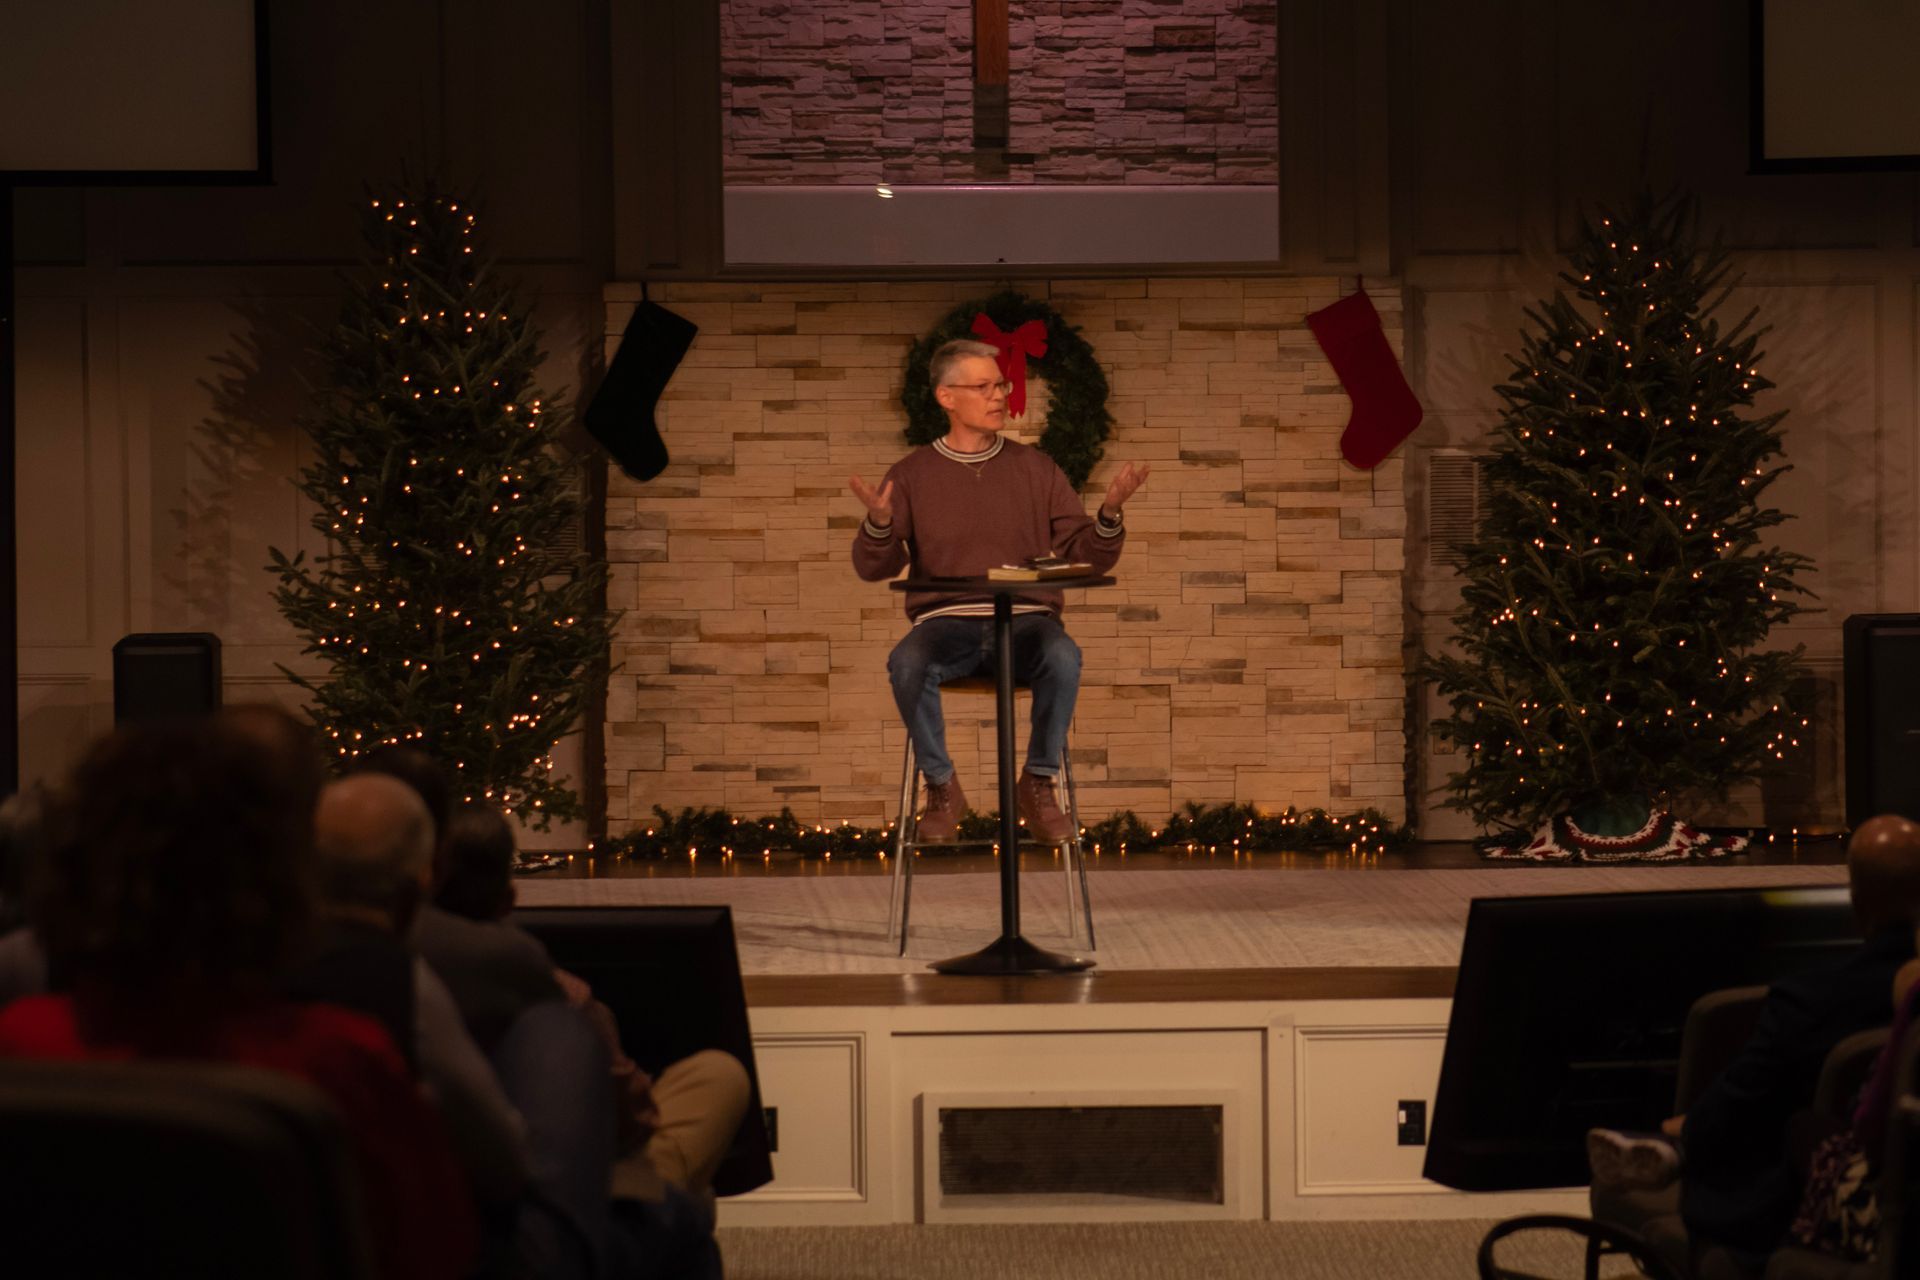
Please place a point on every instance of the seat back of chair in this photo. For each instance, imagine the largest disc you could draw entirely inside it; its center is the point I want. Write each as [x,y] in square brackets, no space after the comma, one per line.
[210,1171]
[1718,1026]
[1845,1071]
[1898,1253]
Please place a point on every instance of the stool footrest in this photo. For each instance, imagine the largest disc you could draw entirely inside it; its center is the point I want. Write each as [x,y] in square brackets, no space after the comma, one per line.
[1011,955]
[958,845]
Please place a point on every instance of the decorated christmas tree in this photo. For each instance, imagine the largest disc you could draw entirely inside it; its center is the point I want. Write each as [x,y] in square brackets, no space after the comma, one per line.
[447,606]
[1610,636]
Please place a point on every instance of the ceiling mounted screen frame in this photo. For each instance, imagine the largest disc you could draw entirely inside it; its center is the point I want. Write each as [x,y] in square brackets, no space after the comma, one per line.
[1770,156]
[251,169]
[844,149]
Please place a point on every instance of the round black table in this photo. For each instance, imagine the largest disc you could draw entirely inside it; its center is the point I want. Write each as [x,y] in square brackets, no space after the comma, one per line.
[1009,953]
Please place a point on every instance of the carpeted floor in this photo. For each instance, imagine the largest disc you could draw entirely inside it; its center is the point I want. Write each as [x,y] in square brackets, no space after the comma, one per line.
[1143,1251]
[1196,919]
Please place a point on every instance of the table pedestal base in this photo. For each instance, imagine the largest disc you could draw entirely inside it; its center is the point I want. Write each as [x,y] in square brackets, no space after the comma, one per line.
[1012,954]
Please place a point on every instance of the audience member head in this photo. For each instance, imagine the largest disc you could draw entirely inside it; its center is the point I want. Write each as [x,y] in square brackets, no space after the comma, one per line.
[176,867]
[427,778]
[374,841]
[287,744]
[479,864]
[1883,872]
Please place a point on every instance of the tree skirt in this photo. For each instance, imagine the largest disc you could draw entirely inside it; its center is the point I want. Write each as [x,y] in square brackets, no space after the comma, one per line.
[1664,839]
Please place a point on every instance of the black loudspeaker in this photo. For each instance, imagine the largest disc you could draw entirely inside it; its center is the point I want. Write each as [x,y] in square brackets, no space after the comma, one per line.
[1882,655]
[163,674]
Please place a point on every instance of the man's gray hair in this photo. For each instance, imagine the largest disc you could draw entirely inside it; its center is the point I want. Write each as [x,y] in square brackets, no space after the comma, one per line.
[372,842]
[941,363]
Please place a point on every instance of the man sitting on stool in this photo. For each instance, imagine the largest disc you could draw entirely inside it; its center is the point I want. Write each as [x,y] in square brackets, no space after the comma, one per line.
[967,503]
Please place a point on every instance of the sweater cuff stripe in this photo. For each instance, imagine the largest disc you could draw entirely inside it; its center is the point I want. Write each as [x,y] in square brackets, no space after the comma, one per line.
[875,532]
[1106,530]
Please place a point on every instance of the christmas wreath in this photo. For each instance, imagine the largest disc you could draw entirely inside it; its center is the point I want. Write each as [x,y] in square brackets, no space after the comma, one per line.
[1078,424]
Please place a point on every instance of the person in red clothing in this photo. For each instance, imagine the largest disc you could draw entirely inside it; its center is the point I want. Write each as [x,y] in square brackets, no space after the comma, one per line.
[174,891]
[969,502]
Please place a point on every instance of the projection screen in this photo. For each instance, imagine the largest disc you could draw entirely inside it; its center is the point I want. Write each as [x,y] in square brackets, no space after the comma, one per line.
[1834,85]
[132,89]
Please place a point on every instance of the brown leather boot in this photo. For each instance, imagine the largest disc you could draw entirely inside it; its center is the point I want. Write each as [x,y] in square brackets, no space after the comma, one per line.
[940,820]
[1040,809]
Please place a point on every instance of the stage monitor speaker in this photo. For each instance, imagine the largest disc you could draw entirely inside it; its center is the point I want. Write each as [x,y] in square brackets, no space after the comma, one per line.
[671,977]
[163,674]
[1882,656]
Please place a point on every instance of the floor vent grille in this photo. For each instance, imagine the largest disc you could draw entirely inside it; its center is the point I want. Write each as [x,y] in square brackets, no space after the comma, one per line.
[1141,1152]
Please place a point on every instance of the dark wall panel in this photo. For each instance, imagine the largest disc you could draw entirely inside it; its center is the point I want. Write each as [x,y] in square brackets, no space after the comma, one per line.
[1333,183]
[1658,91]
[356,93]
[525,120]
[505,97]
[1460,135]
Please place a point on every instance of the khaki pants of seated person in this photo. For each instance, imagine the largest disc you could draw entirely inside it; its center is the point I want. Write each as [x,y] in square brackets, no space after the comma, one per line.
[701,1100]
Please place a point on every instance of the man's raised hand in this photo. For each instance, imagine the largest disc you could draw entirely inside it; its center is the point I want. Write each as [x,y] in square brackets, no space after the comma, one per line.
[1129,479]
[879,502]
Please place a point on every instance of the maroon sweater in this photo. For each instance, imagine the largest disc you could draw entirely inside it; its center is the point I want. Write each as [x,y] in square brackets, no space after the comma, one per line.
[956,519]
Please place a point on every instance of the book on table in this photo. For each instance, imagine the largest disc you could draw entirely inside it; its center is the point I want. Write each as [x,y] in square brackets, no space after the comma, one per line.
[1039,569]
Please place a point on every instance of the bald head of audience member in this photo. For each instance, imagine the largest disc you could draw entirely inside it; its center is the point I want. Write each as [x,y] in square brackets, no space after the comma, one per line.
[1883,871]
[375,840]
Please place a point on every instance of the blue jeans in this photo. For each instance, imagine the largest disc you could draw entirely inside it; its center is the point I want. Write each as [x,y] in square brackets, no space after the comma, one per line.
[555,1069]
[941,649]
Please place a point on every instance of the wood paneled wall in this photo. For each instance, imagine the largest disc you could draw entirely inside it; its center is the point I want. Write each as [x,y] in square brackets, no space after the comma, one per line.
[164,332]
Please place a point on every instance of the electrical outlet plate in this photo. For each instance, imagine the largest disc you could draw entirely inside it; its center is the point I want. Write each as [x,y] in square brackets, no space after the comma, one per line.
[1412,1120]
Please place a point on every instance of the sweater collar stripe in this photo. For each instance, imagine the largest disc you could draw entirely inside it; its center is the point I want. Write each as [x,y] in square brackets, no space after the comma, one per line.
[947,451]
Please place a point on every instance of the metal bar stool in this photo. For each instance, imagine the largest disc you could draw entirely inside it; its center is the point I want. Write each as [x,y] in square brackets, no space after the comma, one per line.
[1079,905]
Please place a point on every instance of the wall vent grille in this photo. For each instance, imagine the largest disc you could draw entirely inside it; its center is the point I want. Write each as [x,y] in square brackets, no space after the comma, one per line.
[1456,505]
[571,542]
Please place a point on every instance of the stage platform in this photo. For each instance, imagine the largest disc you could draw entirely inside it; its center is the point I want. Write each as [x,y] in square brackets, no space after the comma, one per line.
[1301,1008]
[1224,918]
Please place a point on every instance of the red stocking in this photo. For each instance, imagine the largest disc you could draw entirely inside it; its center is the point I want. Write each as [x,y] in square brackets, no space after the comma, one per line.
[1385,411]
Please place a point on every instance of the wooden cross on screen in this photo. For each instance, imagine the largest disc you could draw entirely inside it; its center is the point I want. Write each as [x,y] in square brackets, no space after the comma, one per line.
[989,73]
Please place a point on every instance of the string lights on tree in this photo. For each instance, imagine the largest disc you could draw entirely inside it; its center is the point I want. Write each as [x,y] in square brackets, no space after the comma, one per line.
[443,605]
[1610,643]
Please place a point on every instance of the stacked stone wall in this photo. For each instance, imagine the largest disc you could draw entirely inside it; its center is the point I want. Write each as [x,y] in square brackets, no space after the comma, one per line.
[1101,91]
[1252,650]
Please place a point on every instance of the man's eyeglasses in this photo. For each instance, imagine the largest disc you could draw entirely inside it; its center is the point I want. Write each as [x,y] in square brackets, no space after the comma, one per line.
[1004,387]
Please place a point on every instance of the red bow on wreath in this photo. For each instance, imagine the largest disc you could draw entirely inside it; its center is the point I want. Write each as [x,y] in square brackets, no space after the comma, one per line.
[1030,339]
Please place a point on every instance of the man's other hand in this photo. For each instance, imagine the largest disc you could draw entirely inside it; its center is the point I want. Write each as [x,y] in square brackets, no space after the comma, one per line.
[1129,479]
[879,502]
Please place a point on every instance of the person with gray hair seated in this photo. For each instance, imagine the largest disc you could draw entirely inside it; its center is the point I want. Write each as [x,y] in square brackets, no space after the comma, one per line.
[374,844]
[540,1176]
[495,970]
